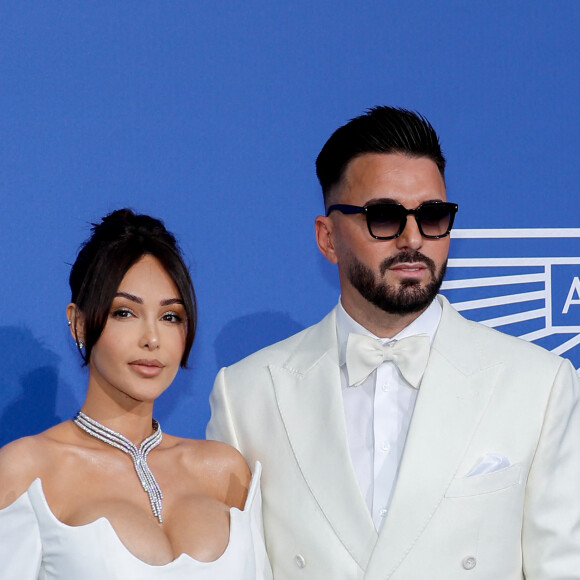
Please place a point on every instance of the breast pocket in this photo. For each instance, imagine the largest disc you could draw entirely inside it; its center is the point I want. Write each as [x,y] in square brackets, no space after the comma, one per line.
[486,483]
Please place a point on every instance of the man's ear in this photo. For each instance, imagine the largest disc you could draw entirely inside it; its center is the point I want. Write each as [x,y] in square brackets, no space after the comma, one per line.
[76,322]
[323,228]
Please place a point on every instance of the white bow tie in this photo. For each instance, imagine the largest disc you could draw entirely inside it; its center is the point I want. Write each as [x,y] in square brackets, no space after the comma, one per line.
[365,353]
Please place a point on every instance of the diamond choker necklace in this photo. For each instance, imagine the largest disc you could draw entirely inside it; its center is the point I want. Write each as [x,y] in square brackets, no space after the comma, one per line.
[139,456]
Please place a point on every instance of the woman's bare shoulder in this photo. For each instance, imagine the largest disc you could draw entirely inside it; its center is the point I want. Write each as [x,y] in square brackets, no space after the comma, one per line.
[25,459]
[223,466]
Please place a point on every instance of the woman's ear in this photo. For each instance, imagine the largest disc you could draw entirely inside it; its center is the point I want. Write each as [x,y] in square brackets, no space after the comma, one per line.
[76,323]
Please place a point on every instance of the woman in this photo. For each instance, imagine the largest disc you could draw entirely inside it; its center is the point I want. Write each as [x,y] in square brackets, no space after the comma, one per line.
[107,494]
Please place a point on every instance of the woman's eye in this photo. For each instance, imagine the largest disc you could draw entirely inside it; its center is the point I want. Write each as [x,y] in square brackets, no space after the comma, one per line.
[121,313]
[171,317]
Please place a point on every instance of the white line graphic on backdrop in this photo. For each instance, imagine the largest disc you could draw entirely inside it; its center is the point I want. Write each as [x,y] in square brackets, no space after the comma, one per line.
[544,267]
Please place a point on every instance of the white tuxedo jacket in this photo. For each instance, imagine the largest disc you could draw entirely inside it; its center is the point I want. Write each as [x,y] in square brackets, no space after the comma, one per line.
[483,392]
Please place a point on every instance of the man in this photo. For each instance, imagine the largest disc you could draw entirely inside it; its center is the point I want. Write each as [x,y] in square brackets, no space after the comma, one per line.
[451,452]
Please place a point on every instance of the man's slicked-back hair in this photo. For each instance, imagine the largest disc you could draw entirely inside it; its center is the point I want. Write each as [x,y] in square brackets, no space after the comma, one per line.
[118,242]
[379,130]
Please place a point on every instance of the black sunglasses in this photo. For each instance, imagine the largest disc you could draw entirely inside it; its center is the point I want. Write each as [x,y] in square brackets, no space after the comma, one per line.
[386,220]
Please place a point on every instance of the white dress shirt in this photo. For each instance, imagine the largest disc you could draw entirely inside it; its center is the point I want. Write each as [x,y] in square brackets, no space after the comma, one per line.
[378,412]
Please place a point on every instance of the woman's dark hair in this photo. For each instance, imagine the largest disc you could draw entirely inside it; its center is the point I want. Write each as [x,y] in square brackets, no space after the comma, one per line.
[117,243]
[379,130]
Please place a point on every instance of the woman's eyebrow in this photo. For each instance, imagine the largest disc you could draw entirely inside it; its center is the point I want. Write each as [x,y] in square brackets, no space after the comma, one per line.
[128,296]
[139,300]
[171,301]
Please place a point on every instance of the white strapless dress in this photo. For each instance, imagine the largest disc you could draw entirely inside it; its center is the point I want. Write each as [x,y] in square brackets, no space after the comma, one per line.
[35,545]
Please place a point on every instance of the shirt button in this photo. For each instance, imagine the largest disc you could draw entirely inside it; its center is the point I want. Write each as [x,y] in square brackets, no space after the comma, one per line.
[385,388]
[385,446]
[383,512]
[469,562]
[300,561]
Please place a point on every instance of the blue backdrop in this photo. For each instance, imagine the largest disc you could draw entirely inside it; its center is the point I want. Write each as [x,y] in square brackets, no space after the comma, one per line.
[209,115]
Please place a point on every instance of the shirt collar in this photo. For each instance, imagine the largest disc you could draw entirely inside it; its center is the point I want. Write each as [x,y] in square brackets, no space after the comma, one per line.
[426,323]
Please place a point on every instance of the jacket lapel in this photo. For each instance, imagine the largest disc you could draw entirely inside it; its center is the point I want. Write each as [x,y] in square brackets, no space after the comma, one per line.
[454,394]
[309,399]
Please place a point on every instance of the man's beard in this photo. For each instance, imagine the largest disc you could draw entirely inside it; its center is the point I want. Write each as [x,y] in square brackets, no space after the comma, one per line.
[409,297]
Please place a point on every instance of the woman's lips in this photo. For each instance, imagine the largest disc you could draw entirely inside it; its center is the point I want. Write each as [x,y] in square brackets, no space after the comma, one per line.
[146,367]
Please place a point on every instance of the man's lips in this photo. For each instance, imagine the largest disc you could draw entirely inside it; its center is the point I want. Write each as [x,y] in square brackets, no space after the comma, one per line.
[409,270]
[409,263]
[412,267]
[147,367]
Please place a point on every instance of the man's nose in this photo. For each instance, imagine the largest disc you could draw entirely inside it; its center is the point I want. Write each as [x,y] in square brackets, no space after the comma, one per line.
[410,236]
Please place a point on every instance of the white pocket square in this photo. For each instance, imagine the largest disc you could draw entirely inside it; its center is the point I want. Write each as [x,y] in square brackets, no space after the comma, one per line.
[489,463]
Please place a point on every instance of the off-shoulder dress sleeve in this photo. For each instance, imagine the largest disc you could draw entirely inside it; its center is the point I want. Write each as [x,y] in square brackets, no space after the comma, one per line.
[20,545]
[263,569]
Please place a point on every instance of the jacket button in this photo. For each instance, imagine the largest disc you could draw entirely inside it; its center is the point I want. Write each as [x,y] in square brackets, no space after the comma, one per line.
[469,562]
[300,561]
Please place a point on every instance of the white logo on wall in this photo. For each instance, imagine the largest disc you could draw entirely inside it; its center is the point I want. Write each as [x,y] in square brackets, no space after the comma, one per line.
[524,282]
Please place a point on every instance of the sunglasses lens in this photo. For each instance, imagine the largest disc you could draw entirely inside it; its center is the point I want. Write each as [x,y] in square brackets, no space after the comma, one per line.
[435,218]
[385,219]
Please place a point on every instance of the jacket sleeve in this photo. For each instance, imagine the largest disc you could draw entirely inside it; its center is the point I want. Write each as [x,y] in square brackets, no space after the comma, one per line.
[20,545]
[551,526]
[221,425]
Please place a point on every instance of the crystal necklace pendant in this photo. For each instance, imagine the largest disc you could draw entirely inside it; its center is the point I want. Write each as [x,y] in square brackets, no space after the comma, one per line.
[138,455]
